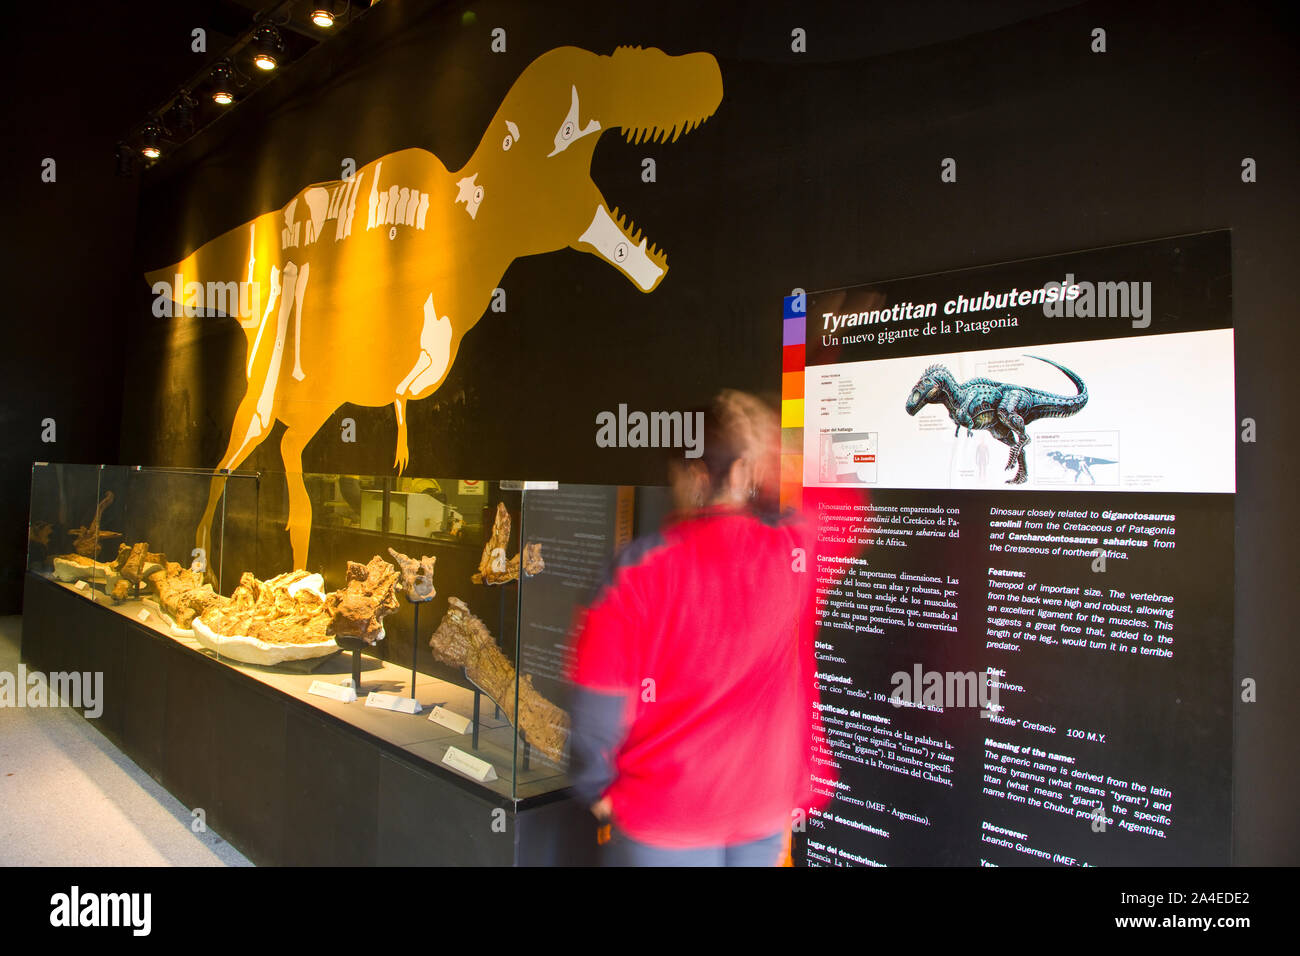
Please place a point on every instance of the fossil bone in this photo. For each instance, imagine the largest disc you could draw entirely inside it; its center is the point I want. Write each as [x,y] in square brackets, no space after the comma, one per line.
[462,640]
[370,595]
[417,576]
[90,537]
[493,567]
[183,594]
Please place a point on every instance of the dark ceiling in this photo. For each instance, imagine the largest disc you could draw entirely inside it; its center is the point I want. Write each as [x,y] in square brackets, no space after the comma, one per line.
[118,63]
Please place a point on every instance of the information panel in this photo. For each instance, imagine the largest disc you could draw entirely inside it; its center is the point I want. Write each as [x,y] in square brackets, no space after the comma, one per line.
[1023,478]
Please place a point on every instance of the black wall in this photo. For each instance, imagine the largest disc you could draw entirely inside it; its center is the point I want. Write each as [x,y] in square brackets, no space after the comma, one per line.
[818,170]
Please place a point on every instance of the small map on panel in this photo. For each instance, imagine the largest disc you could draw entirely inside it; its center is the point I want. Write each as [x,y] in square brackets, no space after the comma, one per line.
[1078,458]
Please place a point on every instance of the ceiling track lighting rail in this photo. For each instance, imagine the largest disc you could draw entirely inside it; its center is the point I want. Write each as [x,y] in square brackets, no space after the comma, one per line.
[259,50]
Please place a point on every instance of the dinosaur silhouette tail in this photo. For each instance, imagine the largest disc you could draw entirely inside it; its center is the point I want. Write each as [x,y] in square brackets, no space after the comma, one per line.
[229,275]
[1059,406]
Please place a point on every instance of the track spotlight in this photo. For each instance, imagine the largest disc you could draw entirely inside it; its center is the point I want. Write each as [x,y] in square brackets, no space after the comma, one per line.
[267,46]
[149,147]
[323,16]
[222,82]
[181,115]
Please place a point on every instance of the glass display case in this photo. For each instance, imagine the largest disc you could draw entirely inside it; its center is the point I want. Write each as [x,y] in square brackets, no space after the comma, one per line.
[433,614]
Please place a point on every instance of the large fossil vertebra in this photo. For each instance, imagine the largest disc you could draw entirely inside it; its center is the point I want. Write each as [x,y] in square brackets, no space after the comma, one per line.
[370,595]
[417,576]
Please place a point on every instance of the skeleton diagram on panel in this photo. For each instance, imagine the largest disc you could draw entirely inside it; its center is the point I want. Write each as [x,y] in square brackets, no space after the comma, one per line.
[368,285]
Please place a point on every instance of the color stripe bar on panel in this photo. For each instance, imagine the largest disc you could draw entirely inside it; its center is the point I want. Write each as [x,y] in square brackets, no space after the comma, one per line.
[793,323]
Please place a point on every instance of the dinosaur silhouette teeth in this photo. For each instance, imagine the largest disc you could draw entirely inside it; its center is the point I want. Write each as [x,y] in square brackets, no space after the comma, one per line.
[661,134]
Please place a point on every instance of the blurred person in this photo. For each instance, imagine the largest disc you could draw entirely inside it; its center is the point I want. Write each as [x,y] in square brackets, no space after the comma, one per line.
[693,707]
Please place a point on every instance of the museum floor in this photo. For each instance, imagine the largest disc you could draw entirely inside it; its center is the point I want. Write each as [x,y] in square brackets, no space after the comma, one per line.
[68,797]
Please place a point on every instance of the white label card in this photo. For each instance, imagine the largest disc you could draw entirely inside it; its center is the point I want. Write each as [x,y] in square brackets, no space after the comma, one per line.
[80,585]
[143,615]
[333,691]
[451,720]
[472,767]
[404,705]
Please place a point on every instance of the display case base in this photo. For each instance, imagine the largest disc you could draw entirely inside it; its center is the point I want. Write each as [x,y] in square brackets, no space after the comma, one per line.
[285,782]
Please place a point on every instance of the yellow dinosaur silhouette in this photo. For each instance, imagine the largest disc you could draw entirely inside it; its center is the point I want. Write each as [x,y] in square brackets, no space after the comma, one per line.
[362,289]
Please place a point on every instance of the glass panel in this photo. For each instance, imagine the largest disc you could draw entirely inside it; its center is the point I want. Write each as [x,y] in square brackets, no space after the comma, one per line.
[572,534]
[512,563]
[64,541]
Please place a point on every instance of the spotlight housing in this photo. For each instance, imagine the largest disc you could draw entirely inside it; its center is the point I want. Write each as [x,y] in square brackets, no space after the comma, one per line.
[323,17]
[181,115]
[223,84]
[267,47]
[149,137]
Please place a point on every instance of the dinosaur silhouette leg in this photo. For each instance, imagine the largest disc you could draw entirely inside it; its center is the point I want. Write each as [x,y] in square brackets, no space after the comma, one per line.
[292,443]
[403,452]
[430,368]
[254,418]
[246,434]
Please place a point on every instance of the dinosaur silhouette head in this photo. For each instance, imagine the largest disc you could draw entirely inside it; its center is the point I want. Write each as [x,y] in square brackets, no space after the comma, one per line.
[929,388]
[529,182]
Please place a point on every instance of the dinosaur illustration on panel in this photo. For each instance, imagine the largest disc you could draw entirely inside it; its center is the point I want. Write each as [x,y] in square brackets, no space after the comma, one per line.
[1080,465]
[1004,410]
[362,289]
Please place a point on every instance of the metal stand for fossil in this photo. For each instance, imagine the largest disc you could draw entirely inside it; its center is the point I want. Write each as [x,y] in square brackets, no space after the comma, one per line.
[355,645]
[415,643]
[417,581]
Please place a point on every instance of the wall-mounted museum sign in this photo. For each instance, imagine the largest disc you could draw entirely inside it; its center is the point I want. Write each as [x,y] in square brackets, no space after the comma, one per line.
[1030,658]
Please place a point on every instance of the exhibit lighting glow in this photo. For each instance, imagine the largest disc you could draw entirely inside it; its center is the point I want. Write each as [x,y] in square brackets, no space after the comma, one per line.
[322,17]
[267,45]
[149,143]
[223,84]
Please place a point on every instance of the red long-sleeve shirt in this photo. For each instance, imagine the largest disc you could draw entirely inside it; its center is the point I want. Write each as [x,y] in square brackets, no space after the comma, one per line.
[705,632]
